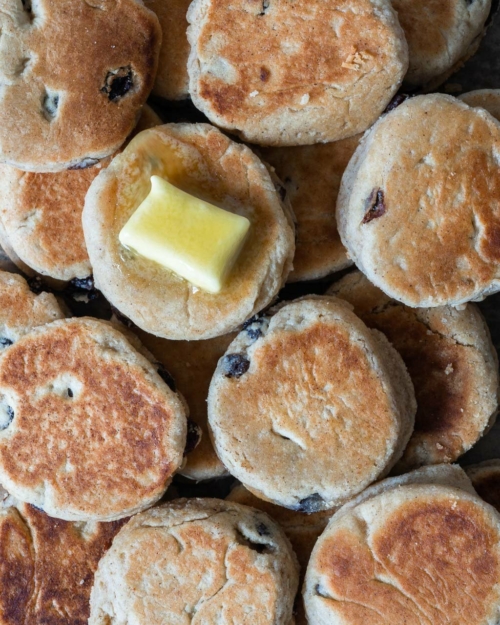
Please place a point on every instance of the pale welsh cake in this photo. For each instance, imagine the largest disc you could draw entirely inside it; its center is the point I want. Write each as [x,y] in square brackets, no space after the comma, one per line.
[485,478]
[89,430]
[418,207]
[308,406]
[197,560]
[172,80]
[198,159]
[192,365]
[488,99]
[21,310]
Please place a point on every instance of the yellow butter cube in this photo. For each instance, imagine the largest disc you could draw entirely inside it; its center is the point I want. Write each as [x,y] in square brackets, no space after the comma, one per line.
[189,236]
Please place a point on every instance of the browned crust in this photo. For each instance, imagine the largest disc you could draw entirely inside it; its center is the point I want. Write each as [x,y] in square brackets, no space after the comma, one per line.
[87,40]
[47,566]
[96,434]
[311,176]
[451,361]
[415,555]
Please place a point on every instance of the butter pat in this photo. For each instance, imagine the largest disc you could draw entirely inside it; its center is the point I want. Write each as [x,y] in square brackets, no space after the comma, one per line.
[189,236]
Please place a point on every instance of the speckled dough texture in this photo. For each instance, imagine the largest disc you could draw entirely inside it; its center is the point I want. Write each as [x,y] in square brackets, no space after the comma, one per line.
[192,365]
[309,407]
[200,160]
[488,99]
[47,566]
[79,102]
[199,561]
[485,478]
[418,207]
[90,431]
[311,176]
[41,215]
[451,361]
[440,35]
[303,530]
[172,80]
[415,553]
[21,310]
[283,72]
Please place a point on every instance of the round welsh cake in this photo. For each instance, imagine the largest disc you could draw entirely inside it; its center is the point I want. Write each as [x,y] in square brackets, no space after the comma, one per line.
[74,76]
[413,554]
[199,160]
[310,406]
[280,72]
[197,560]
[89,430]
[418,207]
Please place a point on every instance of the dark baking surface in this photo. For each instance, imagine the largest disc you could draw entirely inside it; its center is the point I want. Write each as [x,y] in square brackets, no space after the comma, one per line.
[482,71]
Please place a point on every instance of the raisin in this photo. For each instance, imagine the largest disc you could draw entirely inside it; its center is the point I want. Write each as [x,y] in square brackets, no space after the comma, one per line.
[310,504]
[10,417]
[264,74]
[5,342]
[254,333]
[247,542]
[282,191]
[166,377]
[265,6]
[50,105]
[235,365]
[70,393]
[263,530]
[85,163]
[37,285]
[320,592]
[396,101]
[118,83]
[193,436]
[79,286]
[375,206]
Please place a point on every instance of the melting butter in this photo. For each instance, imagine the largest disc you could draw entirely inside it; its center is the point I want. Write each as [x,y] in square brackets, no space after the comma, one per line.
[196,240]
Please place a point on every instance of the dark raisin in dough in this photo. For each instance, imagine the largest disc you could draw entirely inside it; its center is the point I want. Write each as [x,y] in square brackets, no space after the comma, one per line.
[235,365]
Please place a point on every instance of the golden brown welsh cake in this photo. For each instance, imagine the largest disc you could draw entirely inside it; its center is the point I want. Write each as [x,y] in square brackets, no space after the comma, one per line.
[47,566]
[452,363]
[74,76]
[309,406]
[419,204]
[286,73]
[202,561]
[488,99]
[172,80]
[90,431]
[485,478]
[419,553]
[192,365]
[441,34]
[311,176]
[41,215]
[198,159]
